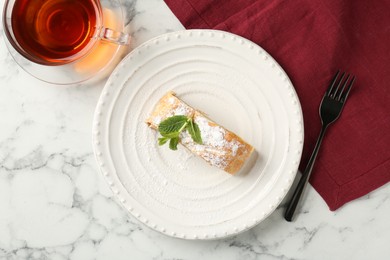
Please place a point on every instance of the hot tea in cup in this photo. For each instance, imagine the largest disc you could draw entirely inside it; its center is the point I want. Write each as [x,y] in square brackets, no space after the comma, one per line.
[56,31]
[60,32]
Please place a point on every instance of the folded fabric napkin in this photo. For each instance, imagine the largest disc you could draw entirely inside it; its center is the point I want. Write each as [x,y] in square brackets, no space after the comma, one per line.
[312,39]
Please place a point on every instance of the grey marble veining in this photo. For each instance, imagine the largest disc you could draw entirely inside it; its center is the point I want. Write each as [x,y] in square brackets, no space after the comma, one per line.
[54,204]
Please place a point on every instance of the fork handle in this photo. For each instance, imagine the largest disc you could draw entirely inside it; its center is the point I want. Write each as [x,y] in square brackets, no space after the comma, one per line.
[293,203]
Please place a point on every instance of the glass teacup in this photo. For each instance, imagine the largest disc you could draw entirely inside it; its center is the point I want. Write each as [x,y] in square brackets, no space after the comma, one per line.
[65,41]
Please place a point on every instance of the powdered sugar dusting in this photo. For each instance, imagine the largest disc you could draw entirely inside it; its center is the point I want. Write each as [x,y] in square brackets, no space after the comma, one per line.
[179,109]
[215,148]
[182,109]
[157,120]
[211,135]
[235,146]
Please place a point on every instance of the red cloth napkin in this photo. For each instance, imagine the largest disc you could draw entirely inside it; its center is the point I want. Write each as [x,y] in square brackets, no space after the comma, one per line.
[312,39]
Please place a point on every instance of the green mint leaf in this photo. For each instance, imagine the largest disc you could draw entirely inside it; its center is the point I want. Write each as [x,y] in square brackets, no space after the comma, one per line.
[171,127]
[172,124]
[171,135]
[173,143]
[162,140]
[194,131]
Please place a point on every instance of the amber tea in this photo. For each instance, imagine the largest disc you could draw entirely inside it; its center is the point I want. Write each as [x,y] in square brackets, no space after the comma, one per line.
[54,31]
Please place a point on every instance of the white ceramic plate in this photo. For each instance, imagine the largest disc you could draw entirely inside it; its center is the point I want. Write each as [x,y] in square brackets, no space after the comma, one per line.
[239,86]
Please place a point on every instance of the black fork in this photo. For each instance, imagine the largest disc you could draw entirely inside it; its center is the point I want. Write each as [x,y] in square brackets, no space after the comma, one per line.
[330,109]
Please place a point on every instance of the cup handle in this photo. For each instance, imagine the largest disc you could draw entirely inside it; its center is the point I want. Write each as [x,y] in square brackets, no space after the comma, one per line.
[116,37]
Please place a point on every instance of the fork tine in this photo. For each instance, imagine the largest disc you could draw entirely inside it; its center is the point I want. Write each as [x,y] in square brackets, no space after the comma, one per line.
[342,89]
[330,88]
[344,96]
[333,94]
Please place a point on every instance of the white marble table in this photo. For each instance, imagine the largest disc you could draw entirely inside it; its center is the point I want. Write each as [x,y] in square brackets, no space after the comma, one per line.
[54,204]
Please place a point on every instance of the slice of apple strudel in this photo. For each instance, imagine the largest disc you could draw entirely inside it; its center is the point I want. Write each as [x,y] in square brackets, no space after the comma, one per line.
[220,147]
